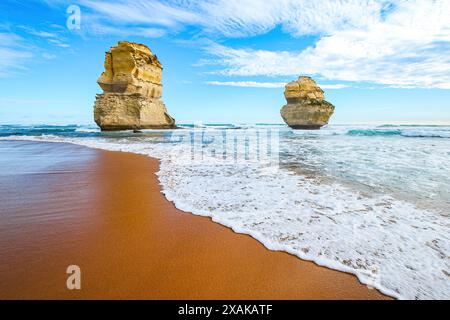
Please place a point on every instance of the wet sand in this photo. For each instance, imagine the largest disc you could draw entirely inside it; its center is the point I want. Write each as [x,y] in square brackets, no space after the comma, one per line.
[62,204]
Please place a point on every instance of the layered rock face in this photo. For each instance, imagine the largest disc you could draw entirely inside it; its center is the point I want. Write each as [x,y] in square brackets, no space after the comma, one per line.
[306,107]
[132,90]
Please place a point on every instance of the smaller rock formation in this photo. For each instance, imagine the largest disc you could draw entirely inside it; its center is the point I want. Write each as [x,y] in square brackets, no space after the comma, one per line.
[132,90]
[306,107]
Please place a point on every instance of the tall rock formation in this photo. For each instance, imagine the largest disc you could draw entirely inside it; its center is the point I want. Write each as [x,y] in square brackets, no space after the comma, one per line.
[306,107]
[132,90]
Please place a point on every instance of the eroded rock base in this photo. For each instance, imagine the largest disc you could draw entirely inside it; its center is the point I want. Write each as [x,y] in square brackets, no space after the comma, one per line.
[119,111]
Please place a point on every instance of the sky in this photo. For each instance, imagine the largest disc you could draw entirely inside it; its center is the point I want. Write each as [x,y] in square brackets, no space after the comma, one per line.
[227,61]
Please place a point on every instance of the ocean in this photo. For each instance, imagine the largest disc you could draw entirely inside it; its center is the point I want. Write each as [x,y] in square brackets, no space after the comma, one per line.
[369,200]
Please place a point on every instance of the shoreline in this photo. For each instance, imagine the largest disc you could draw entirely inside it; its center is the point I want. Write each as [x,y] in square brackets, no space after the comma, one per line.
[104,211]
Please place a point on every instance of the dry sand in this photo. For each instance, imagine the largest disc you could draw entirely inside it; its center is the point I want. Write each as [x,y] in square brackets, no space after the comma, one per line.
[62,204]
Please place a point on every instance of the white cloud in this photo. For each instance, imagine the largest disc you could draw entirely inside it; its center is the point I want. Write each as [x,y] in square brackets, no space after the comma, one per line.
[43,34]
[251,84]
[409,47]
[48,56]
[242,17]
[390,42]
[297,17]
[9,39]
[55,37]
[17,50]
[92,24]
[255,84]
[59,43]
[168,13]
[13,54]
[333,86]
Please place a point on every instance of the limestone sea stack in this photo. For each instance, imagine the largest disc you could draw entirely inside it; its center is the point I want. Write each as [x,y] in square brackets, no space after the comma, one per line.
[306,107]
[132,90]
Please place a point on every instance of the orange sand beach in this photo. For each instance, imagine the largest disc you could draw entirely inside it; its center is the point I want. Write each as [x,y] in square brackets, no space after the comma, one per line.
[62,205]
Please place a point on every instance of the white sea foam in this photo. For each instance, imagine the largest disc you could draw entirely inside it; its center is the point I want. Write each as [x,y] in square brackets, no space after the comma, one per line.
[426,134]
[91,130]
[339,208]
